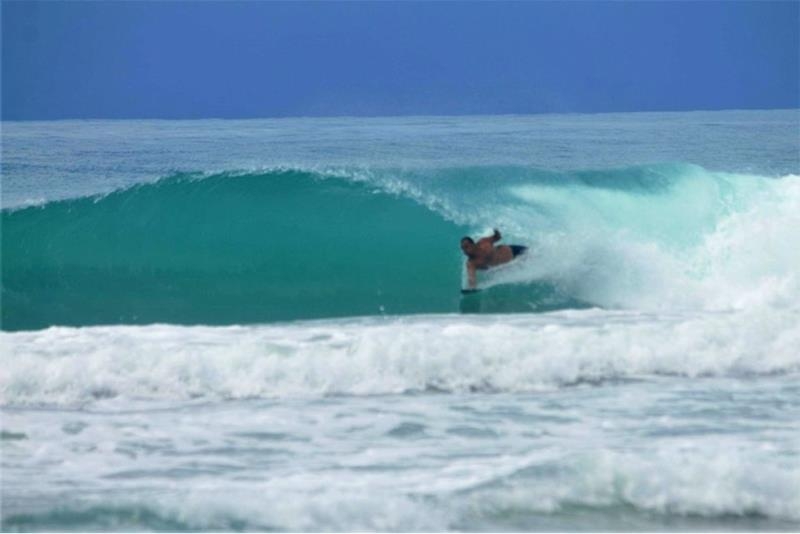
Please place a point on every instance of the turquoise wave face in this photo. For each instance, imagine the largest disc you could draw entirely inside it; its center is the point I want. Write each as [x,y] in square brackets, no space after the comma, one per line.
[227,249]
[292,244]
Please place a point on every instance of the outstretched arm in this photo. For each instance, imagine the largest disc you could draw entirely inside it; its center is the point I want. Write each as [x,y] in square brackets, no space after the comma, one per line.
[496,236]
[471,278]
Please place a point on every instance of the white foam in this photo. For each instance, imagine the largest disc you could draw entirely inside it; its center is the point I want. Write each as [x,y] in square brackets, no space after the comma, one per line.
[717,241]
[382,356]
[672,483]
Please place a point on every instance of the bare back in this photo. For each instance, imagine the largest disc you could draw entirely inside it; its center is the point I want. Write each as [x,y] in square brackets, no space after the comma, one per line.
[491,255]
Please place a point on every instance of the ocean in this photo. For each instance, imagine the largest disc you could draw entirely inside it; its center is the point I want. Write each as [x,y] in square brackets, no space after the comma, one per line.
[219,325]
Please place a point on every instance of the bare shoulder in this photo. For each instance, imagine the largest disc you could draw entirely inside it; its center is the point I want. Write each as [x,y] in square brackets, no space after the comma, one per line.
[486,243]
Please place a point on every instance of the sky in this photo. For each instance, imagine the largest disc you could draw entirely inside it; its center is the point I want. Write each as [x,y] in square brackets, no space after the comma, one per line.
[171,59]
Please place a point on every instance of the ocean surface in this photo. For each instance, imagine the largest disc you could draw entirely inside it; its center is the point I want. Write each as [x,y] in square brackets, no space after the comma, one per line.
[258,325]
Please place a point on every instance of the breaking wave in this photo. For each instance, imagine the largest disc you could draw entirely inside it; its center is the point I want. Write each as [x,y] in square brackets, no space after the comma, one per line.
[287,244]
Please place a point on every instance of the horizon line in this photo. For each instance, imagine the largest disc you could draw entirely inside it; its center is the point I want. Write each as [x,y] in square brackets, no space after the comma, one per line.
[392,116]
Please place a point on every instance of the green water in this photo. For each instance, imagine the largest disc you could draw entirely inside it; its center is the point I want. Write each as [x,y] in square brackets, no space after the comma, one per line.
[226,249]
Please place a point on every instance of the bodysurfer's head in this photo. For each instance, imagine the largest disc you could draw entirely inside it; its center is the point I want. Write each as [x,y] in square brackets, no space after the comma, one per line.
[468,246]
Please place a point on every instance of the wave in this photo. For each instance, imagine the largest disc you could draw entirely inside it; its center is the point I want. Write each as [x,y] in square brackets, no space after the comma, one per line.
[286,244]
[227,249]
[369,356]
[659,487]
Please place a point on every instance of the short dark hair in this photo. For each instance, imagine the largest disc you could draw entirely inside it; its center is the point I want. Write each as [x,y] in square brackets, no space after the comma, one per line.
[467,238]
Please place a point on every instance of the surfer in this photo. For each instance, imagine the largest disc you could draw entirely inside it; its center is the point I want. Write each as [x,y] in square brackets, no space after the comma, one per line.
[484,254]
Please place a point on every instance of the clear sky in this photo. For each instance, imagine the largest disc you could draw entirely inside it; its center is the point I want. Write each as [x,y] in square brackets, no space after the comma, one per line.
[272,59]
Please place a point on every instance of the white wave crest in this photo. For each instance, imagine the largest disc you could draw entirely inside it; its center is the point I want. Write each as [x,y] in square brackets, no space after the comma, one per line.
[392,355]
[713,241]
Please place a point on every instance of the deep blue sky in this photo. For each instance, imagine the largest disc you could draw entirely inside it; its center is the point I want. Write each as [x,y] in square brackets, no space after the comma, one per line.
[268,59]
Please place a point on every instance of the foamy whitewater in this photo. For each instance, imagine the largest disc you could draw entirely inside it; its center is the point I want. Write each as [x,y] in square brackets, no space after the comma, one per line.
[257,325]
